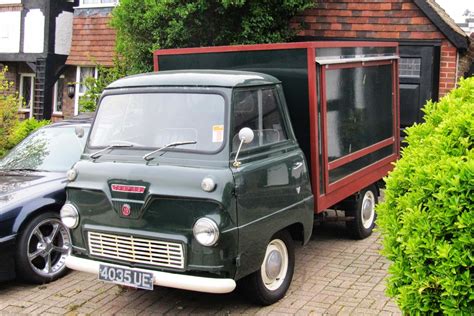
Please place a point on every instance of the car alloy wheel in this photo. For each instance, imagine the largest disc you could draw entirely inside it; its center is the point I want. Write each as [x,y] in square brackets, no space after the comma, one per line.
[48,245]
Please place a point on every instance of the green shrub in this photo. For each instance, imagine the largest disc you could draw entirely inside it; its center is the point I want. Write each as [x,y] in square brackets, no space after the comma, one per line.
[143,25]
[427,218]
[23,129]
[9,103]
[94,87]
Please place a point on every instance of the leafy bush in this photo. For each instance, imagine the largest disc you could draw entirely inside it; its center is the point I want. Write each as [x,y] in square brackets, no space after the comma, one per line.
[143,25]
[23,129]
[94,87]
[9,103]
[427,219]
[12,131]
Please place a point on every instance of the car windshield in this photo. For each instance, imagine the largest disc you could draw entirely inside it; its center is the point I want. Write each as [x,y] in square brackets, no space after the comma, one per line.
[154,120]
[48,149]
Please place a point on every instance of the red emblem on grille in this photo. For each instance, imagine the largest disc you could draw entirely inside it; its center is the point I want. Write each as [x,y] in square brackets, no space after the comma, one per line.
[127,188]
[126,210]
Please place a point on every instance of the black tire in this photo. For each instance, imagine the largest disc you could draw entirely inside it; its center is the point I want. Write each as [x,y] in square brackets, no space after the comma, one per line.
[44,239]
[264,289]
[363,211]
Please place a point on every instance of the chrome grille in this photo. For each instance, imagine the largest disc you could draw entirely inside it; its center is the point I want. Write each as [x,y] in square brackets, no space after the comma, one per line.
[135,249]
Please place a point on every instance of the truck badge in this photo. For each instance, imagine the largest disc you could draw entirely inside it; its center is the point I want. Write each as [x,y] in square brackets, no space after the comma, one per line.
[126,210]
[127,188]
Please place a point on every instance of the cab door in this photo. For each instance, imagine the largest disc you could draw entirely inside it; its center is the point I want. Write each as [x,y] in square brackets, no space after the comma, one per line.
[272,174]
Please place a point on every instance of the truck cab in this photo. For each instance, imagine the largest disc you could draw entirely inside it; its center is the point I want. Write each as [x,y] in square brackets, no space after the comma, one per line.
[193,180]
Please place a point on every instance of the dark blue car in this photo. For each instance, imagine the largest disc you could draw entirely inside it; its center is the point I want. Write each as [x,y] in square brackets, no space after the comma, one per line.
[33,241]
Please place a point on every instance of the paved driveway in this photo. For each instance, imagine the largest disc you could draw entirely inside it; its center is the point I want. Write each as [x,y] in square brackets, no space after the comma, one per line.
[334,276]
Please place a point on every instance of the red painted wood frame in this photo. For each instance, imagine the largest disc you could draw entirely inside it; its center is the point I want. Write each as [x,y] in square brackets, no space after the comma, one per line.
[354,182]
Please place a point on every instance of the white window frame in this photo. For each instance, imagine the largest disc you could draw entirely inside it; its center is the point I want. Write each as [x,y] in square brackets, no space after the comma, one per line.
[32,93]
[55,96]
[97,5]
[78,94]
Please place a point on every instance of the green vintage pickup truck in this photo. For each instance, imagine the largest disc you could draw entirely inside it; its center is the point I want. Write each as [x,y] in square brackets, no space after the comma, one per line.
[202,175]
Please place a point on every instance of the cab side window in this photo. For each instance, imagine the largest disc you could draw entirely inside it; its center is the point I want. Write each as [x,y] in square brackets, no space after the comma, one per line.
[258,110]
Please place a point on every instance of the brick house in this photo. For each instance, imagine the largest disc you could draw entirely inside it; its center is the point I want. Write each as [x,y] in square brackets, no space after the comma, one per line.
[434,50]
[35,39]
[93,44]
[432,46]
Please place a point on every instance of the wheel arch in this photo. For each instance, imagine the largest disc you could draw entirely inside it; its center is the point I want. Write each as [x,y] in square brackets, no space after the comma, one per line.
[296,231]
[31,211]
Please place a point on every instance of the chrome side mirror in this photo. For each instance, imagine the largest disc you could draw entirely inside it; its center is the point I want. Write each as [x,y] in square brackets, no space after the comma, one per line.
[79,130]
[246,136]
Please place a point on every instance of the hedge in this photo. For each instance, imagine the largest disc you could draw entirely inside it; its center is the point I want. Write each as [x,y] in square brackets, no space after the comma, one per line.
[427,218]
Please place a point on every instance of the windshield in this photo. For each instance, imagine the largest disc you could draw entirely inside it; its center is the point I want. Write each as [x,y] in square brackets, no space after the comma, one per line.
[154,120]
[49,149]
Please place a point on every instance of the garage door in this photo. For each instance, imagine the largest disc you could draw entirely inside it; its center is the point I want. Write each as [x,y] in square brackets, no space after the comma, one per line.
[419,69]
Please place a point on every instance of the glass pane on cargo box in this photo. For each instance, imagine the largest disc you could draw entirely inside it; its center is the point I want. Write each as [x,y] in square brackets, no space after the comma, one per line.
[359,108]
[360,163]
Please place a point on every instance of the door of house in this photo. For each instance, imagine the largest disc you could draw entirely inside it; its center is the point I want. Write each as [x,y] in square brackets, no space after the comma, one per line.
[419,71]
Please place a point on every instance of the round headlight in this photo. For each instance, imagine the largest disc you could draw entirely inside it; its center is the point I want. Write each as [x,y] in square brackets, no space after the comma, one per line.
[208,184]
[71,174]
[69,216]
[206,231]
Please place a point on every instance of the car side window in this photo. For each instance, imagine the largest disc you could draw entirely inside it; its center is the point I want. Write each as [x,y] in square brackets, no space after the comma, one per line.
[258,110]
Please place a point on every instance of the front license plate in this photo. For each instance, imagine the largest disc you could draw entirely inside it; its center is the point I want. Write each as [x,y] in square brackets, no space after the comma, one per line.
[125,276]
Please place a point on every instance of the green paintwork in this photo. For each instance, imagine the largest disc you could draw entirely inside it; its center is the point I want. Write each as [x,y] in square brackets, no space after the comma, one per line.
[196,78]
[174,202]
[249,204]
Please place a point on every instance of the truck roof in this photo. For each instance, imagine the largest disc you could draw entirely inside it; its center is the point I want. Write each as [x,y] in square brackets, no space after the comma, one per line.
[196,78]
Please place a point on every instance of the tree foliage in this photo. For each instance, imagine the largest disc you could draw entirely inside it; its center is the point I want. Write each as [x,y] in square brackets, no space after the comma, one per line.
[9,103]
[12,131]
[94,87]
[145,25]
[427,219]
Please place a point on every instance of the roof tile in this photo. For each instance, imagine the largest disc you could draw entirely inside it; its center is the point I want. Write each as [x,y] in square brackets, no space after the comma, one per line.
[93,41]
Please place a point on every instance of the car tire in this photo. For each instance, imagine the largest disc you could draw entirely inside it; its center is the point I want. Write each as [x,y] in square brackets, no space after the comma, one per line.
[271,282]
[42,248]
[363,211]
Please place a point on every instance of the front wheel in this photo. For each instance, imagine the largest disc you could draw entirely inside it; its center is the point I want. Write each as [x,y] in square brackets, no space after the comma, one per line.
[363,211]
[271,282]
[43,246]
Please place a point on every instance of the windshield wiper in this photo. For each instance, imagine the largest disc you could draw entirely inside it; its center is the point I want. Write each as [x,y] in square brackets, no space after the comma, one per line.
[98,153]
[174,144]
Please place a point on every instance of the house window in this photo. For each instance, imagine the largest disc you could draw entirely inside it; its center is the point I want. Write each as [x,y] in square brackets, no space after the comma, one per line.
[410,67]
[27,88]
[58,96]
[81,75]
[98,3]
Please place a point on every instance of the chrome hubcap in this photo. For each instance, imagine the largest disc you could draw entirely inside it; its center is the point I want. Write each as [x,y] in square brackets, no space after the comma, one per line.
[275,265]
[368,209]
[48,247]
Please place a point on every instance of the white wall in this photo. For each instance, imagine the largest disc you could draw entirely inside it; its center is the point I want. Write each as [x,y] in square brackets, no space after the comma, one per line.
[63,37]
[10,23]
[9,1]
[34,32]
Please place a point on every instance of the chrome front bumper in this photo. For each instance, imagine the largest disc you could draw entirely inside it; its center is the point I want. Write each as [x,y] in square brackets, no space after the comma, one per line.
[174,280]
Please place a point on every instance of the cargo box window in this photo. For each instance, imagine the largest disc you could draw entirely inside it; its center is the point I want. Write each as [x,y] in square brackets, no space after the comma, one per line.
[258,110]
[357,116]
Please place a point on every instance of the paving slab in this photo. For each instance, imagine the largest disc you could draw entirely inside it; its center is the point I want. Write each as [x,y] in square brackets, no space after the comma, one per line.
[334,275]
